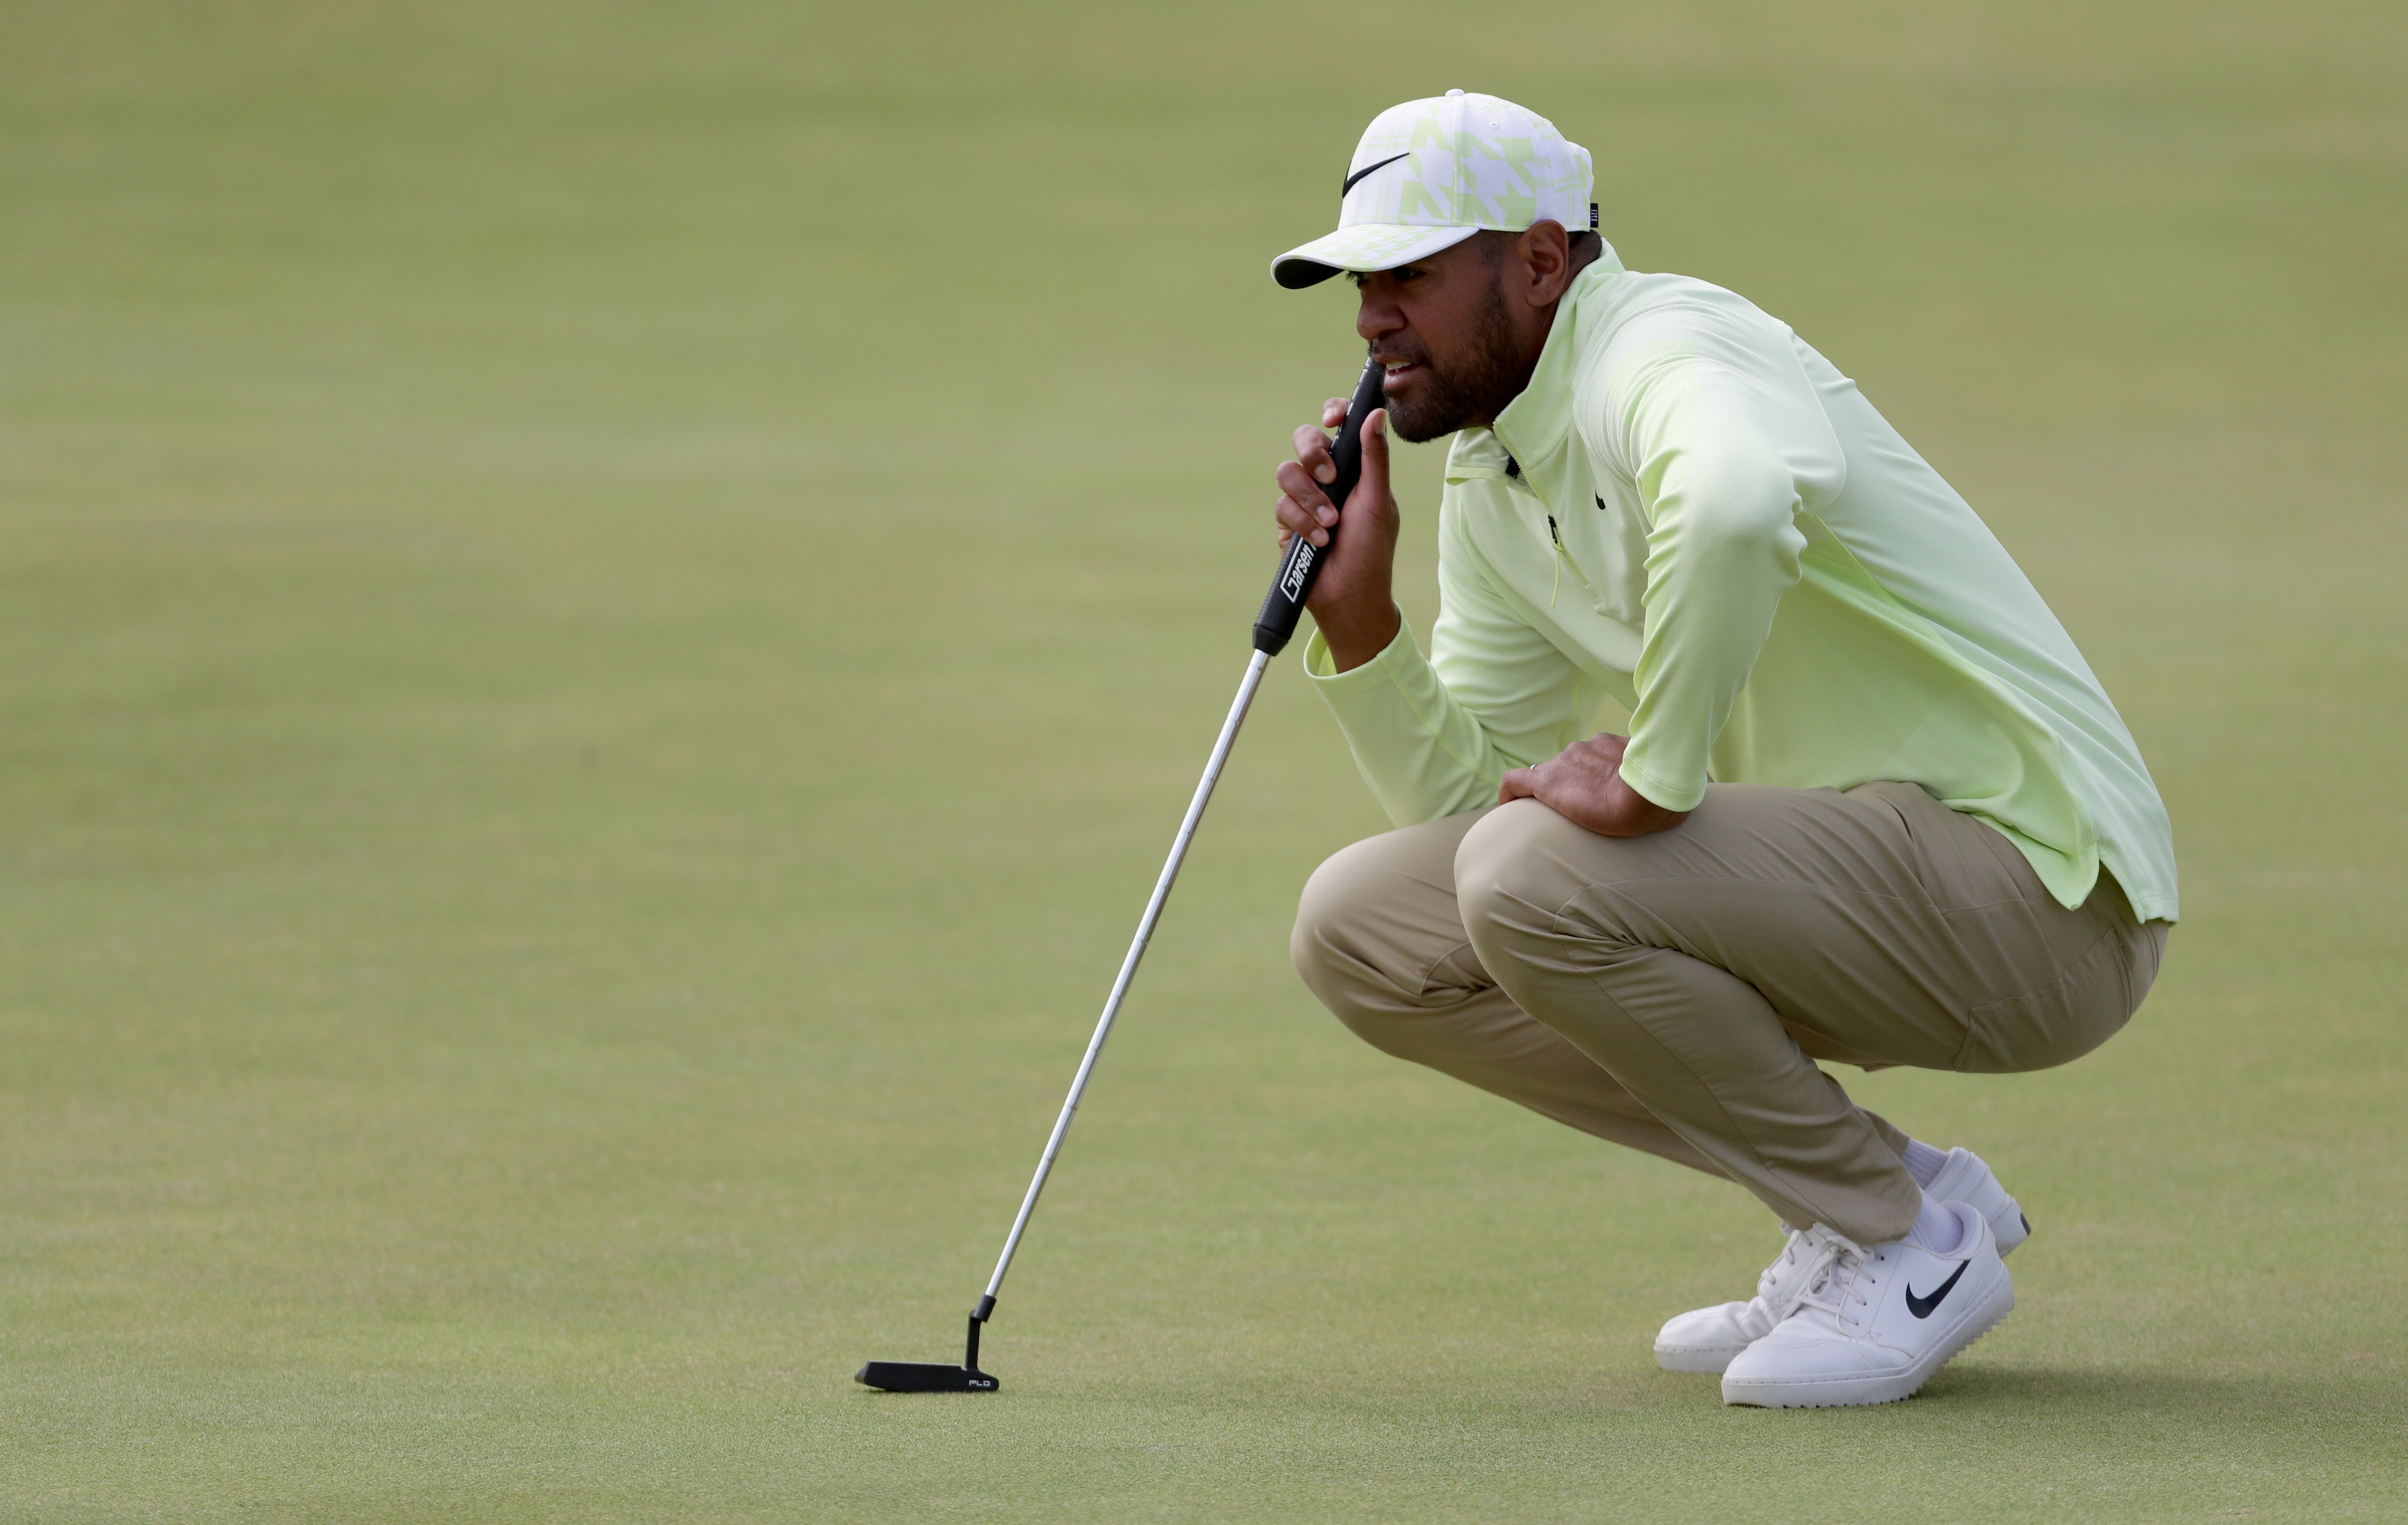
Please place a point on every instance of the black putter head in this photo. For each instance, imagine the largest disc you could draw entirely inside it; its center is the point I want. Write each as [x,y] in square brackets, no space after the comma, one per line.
[930,1377]
[924,1377]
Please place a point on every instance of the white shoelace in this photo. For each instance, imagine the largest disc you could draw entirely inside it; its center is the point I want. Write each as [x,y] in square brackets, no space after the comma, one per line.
[1788,1256]
[1831,1283]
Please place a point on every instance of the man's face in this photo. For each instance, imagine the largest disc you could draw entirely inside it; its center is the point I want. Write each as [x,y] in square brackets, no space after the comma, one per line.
[1445,330]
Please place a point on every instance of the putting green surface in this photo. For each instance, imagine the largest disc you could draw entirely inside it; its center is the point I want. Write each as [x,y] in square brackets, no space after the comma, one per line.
[609,609]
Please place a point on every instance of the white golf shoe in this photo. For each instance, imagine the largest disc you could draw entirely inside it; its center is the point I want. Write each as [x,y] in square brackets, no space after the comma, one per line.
[1874,1323]
[1705,1340]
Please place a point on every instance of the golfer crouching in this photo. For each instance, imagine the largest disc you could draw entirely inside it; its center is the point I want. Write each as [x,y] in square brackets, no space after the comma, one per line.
[1874,808]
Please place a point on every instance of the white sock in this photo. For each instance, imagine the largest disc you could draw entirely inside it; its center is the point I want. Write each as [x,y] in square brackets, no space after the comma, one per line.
[1923,1161]
[1936,1229]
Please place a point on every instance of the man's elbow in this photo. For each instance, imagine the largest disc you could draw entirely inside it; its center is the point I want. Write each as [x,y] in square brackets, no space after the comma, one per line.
[1741,498]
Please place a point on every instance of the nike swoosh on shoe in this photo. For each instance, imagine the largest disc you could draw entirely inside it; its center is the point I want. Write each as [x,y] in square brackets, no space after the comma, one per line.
[1921,1306]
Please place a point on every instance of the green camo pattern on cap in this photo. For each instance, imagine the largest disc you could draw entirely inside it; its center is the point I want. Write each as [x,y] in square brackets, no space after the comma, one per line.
[1435,171]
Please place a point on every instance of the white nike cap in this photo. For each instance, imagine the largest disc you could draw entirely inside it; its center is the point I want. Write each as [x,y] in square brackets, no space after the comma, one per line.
[1431,173]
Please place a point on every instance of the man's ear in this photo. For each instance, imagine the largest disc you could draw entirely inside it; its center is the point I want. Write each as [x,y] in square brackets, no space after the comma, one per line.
[1547,255]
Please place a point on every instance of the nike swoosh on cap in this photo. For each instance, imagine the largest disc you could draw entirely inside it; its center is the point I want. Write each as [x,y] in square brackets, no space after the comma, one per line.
[1921,1306]
[1368,169]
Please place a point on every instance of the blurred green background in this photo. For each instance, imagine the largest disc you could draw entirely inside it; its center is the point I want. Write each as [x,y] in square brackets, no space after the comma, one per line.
[607,609]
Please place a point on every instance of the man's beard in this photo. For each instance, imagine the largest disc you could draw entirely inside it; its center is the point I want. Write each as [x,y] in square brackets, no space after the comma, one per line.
[1477,385]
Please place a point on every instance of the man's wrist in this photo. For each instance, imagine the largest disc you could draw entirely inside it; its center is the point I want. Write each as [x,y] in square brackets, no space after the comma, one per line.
[1354,637]
[1635,814]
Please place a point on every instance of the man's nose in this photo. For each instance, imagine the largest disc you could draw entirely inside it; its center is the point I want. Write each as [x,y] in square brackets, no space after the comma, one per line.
[1375,318]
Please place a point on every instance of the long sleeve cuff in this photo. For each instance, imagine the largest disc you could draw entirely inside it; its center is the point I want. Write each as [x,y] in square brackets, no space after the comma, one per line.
[1687,794]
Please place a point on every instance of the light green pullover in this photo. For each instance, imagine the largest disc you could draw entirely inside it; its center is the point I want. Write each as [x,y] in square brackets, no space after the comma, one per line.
[1691,519]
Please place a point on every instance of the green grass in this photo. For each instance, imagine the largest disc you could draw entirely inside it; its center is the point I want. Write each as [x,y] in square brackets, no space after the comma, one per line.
[607,610]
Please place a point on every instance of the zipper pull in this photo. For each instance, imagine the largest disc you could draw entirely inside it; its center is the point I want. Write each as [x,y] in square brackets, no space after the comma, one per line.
[1557,585]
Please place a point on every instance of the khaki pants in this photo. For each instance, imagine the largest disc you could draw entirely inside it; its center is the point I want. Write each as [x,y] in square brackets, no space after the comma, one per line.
[1673,992]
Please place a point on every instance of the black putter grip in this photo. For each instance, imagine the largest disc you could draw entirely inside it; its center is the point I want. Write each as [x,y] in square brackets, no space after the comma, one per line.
[1301,565]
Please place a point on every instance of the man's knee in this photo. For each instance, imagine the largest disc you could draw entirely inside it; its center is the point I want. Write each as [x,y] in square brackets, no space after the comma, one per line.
[1324,920]
[1513,874]
[1374,929]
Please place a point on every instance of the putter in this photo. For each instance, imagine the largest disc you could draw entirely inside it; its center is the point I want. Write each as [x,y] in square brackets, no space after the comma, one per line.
[1299,566]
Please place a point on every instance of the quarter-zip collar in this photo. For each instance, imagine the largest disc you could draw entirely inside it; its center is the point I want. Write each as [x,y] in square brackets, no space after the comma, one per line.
[1533,426]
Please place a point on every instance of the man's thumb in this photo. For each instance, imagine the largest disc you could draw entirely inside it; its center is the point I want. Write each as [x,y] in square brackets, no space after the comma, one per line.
[1375,448]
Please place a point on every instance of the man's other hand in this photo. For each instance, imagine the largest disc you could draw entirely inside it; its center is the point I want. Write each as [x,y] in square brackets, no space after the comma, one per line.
[1583,784]
[1351,602]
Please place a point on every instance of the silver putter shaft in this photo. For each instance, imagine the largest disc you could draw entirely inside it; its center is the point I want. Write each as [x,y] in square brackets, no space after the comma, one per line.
[1129,969]
[1300,567]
